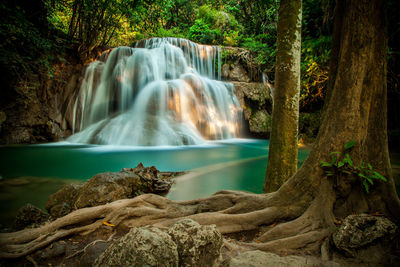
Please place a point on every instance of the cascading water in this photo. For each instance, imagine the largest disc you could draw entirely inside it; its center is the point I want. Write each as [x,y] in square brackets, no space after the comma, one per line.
[164,91]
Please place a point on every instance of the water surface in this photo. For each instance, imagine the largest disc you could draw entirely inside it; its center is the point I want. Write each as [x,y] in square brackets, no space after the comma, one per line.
[32,172]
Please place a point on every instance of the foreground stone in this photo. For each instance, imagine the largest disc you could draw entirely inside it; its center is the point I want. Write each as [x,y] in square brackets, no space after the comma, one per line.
[108,187]
[145,246]
[257,258]
[29,215]
[186,243]
[197,245]
[360,231]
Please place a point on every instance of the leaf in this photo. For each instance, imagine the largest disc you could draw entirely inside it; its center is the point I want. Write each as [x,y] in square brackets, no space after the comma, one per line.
[340,164]
[325,164]
[344,171]
[334,152]
[333,160]
[363,164]
[369,166]
[348,159]
[108,224]
[380,176]
[329,173]
[350,144]
[369,180]
[366,186]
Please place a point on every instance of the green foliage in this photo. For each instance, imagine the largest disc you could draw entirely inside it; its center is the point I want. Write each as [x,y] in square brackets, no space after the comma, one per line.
[200,32]
[25,47]
[342,164]
[314,71]
[213,26]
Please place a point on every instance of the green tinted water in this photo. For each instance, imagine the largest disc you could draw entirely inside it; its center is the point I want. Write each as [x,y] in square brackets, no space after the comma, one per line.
[234,165]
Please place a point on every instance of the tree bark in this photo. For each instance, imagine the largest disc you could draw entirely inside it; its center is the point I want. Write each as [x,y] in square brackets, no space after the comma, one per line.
[282,157]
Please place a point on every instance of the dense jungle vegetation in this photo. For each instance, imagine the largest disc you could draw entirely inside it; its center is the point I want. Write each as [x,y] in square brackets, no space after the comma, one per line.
[38,34]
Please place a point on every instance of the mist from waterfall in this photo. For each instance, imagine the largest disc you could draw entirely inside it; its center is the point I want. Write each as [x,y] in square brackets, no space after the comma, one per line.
[163,91]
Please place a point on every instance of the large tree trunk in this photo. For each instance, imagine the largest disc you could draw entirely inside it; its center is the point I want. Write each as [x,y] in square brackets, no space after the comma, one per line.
[305,207]
[282,157]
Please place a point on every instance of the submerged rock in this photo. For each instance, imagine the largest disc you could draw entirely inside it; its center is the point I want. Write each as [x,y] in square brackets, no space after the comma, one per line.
[198,245]
[360,231]
[144,246]
[29,215]
[108,187]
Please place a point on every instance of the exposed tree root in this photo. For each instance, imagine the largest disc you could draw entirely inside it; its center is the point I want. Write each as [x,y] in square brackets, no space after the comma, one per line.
[301,225]
[230,211]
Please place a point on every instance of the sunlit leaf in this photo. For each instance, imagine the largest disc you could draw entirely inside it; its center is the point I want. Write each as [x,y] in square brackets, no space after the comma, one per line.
[350,144]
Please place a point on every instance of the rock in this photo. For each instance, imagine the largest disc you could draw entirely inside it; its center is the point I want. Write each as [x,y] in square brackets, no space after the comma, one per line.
[128,183]
[235,72]
[257,92]
[108,187]
[198,245]
[256,101]
[145,246]
[29,215]
[260,122]
[359,231]
[63,201]
[257,258]
[53,251]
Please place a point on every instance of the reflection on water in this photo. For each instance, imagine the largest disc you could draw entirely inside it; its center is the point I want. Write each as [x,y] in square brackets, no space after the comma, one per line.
[229,165]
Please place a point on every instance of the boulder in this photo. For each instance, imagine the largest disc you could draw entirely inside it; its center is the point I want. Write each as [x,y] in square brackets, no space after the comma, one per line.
[257,92]
[260,122]
[256,101]
[145,246]
[29,215]
[257,258]
[362,230]
[63,201]
[235,72]
[108,187]
[128,183]
[198,245]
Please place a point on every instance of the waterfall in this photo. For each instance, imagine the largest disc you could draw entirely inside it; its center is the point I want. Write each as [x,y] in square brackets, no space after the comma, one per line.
[163,91]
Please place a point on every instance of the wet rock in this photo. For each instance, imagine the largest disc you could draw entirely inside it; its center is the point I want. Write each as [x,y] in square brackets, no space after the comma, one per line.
[360,231]
[29,215]
[257,258]
[108,187]
[198,245]
[145,246]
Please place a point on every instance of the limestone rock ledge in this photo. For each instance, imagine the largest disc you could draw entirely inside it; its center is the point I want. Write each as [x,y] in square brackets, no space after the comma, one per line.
[256,101]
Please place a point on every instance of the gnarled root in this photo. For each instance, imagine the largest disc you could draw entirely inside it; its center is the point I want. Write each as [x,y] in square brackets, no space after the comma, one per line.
[230,211]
